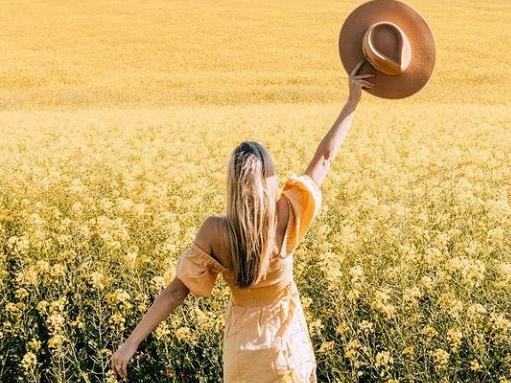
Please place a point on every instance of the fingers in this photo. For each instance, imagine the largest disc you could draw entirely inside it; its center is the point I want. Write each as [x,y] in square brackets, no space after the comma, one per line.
[365,75]
[354,70]
[363,83]
[124,368]
[117,371]
[119,367]
[368,83]
[112,364]
[361,78]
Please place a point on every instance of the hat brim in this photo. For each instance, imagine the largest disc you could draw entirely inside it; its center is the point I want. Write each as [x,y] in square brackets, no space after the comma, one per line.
[421,41]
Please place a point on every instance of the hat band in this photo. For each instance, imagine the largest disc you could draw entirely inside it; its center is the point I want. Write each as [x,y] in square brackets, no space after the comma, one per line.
[379,60]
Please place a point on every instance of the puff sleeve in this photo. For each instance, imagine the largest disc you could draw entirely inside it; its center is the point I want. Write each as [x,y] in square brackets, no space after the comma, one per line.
[305,199]
[198,270]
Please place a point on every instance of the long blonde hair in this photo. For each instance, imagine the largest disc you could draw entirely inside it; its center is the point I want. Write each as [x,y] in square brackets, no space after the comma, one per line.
[251,198]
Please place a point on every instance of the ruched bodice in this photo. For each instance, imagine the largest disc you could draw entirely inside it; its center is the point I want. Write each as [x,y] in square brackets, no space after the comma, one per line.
[266,338]
[276,283]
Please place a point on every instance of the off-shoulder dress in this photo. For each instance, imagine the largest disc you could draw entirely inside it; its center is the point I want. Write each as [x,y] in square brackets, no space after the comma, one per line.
[266,338]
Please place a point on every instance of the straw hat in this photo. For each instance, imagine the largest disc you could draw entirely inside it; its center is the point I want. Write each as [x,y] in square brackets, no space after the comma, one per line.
[396,43]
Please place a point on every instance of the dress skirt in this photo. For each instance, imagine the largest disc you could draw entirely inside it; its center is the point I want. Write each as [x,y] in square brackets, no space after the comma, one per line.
[268,344]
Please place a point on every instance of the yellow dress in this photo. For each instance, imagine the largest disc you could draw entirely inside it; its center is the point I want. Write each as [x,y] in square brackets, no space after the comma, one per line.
[266,338]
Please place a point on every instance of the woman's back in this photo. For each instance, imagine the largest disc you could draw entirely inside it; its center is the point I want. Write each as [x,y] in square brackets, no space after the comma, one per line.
[266,336]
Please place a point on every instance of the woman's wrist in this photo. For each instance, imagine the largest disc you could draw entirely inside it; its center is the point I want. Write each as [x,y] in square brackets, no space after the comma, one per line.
[132,342]
[352,102]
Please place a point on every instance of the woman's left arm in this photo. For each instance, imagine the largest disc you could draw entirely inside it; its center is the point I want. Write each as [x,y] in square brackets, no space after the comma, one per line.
[329,145]
[173,295]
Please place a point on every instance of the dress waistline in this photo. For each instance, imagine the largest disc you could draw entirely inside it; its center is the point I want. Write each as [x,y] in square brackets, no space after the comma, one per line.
[259,296]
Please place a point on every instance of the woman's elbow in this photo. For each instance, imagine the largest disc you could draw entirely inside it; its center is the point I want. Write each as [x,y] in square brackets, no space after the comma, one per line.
[176,292]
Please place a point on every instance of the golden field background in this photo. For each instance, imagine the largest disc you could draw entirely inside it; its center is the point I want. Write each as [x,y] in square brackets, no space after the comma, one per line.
[116,123]
[103,53]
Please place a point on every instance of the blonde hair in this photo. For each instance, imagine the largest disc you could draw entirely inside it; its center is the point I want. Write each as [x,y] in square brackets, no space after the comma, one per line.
[251,198]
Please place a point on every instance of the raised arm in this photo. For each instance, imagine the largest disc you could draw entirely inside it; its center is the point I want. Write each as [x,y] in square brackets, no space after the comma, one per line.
[329,145]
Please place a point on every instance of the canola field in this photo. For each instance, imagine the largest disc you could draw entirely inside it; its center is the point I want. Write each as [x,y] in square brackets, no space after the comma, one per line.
[116,123]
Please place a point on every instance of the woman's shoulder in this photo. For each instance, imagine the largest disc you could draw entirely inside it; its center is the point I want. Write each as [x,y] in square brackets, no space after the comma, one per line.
[212,238]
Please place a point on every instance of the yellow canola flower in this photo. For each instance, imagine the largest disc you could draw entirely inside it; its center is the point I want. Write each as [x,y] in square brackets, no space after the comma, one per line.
[383,359]
[474,365]
[34,345]
[455,337]
[29,361]
[57,341]
[441,358]
[326,346]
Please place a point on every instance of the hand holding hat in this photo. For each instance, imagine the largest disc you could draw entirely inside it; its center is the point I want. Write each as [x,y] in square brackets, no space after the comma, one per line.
[395,43]
[357,82]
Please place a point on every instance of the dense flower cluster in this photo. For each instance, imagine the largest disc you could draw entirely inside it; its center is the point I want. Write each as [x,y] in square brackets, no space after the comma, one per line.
[405,273]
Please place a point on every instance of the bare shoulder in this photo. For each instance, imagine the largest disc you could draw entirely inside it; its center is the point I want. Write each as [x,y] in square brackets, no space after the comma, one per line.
[216,224]
[207,233]
[211,234]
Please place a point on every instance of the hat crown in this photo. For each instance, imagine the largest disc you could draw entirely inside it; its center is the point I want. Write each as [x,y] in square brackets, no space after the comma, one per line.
[387,48]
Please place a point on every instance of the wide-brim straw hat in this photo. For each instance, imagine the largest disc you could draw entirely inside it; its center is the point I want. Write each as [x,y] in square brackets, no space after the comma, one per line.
[396,43]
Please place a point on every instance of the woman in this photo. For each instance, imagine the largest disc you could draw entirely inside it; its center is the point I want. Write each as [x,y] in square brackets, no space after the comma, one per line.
[266,336]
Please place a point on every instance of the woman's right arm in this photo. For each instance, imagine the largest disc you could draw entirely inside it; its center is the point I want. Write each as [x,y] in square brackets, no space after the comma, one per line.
[328,147]
[171,297]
